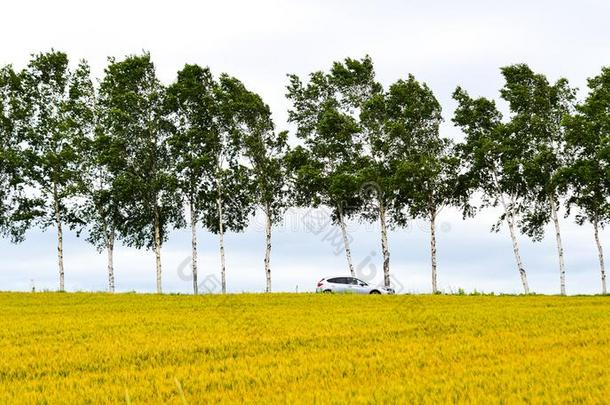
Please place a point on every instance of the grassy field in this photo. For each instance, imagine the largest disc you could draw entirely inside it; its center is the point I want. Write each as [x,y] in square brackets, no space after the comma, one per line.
[92,348]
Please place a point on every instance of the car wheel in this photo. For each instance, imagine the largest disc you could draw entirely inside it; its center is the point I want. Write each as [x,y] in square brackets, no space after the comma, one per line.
[327,291]
[375,292]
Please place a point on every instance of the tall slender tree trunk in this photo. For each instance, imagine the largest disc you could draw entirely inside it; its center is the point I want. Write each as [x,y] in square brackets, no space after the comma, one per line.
[158,249]
[515,241]
[268,228]
[510,221]
[348,251]
[110,253]
[60,238]
[194,246]
[562,268]
[600,253]
[384,244]
[433,248]
[223,275]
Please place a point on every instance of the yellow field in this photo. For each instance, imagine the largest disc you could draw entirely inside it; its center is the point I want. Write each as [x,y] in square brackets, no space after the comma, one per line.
[92,348]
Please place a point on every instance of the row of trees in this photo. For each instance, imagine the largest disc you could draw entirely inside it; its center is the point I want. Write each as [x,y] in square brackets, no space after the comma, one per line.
[130,159]
[549,152]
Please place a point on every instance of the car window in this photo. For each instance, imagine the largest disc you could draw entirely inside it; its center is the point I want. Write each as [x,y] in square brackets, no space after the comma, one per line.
[360,282]
[336,280]
[353,280]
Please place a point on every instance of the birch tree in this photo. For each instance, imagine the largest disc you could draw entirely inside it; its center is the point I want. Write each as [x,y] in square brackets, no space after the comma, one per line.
[537,109]
[133,98]
[428,181]
[100,205]
[404,144]
[230,203]
[206,144]
[53,101]
[194,144]
[587,174]
[101,162]
[491,161]
[265,149]
[378,192]
[326,111]
[313,185]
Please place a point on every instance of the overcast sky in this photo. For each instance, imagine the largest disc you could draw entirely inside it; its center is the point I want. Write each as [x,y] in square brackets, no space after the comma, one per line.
[443,43]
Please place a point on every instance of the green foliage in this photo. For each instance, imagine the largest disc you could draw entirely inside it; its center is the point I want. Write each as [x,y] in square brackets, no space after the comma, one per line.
[101,160]
[587,175]
[195,142]
[326,112]
[537,109]
[422,169]
[265,149]
[136,121]
[490,156]
[17,208]
[54,98]
[233,187]
[210,121]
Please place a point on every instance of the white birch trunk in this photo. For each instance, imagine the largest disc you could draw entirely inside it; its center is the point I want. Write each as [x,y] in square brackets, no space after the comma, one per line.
[223,275]
[562,269]
[510,221]
[433,249]
[194,247]
[384,245]
[60,238]
[110,253]
[600,252]
[268,228]
[513,236]
[348,251]
[158,250]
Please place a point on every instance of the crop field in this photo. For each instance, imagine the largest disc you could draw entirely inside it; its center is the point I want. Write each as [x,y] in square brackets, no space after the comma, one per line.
[303,348]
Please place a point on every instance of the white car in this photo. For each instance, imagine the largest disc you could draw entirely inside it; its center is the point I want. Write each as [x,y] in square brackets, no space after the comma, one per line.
[350,285]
